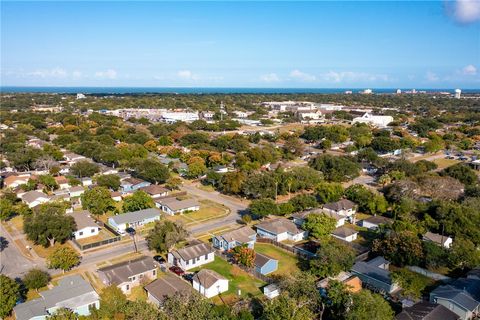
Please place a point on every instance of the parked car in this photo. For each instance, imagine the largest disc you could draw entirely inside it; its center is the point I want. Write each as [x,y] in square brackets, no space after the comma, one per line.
[188,276]
[177,270]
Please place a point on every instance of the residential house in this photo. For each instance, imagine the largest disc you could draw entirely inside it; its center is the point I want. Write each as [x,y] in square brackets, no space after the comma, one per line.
[72,158]
[14,181]
[425,310]
[300,217]
[352,283]
[209,283]
[461,296]
[72,292]
[438,239]
[342,207]
[220,169]
[34,198]
[375,274]
[238,237]
[87,181]
[155,191]
[116,196]
[76,191]
[265,264]
[373,223]
[271,291]
[345,233]
[128,274]
[62,182]
[280,229]
[86,226]
[133,219]
[173,206]
[132,184]
[374,120]
[165,286]
[192,256]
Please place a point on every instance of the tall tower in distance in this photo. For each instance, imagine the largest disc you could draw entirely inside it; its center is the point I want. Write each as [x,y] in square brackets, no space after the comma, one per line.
[458,93]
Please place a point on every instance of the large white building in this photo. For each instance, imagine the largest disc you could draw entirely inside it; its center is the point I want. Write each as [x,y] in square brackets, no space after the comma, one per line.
[376,121]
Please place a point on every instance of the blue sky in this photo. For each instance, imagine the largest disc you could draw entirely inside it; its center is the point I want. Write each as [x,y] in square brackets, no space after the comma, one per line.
[324,44]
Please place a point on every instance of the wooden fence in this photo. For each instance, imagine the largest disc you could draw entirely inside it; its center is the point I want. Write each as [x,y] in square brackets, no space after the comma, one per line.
[100,243]
[304,254]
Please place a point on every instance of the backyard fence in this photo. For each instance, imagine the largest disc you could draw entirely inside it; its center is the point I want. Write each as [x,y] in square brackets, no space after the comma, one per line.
[251,271]
[100,243]
[295,250]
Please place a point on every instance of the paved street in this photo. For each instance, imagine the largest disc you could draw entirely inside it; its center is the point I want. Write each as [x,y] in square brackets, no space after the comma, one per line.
[12,262]
[236,206]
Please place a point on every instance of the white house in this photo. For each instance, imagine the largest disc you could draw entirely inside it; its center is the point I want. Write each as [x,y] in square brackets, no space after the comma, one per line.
[62,182]
[280,230]
[444,241]
[209,283]
[86,181]
[342,207]
[345,234]
[86,226]
[191,256]
[376,121]
[71,157]
[14,181]
[76,191]
[173,206]
[238,237]
[34,198]
[375,222]
[271,291]
[133,219]
[155,191]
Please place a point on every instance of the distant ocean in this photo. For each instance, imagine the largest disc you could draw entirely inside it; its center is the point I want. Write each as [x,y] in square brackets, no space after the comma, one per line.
[208,90]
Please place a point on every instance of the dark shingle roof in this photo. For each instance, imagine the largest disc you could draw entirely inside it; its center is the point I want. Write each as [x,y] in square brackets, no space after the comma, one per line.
[343,204]
[278,226]
[372,271]
[207,278]
[344,232]
[193,251]
[261,259]
[427,311]
[464,291]
[167,286]
[119,273]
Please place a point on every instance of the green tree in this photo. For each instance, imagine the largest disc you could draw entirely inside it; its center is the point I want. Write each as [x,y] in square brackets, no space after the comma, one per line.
[368,306]
[263,207]
[412,284]
[464,254]
[151,170]
[97,200]
[319,226]
[336,169]
[232,182]
[244,255]
[10,292]
[139,200]
[173,183]
[63,314]
[329,192]
[461,172]
[286,308]
[111,181]
[196,169]
[47,227]
[401,248]
[113,304]
[7,209]
[84,168]
[332,258]
[64,258]
[163,237]
[48,181]
[36,279]
[303,202]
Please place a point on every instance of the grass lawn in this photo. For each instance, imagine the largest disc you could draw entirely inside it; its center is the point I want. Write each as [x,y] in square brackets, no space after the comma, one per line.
[102,235]
[45,252]
[444,163]
[137,293]
[17,222]
[287,262]
[208,188]
[208,210]
[365,236]
[239,279]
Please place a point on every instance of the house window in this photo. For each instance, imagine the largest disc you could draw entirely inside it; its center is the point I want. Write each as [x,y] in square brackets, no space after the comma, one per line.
[188,262]
[127,287]
[92,230]
[141,276]
[133,278]
[206,256]
[154,272]
[92,306]
[198,259]
[80,233]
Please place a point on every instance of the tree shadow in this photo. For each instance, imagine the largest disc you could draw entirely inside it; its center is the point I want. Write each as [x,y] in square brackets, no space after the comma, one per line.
[3,243]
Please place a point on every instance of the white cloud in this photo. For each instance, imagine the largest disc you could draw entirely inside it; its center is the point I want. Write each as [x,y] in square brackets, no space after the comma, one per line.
[76,74]
[432,77]
[270,77]
[465,11]
[350,76]
[469,70]
[187,75]
[107,74]
[302,76]
[49,73]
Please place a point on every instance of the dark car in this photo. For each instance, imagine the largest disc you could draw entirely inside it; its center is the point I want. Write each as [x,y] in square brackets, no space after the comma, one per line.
[130,231]
[159,259]
[188,276]
[177,270]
